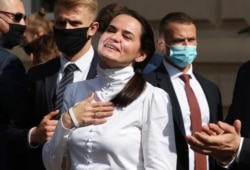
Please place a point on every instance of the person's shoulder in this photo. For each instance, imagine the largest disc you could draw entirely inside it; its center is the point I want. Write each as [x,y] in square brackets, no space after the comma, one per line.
[55,62]
[160,69]
[11,62]
[245,67]
[6,56]
[205,81]
[155,92]
[158,73]
[44,70]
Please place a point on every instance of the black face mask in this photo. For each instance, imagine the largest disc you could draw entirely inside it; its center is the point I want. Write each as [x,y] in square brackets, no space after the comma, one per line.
[28,49]
[70,41]
[14,36]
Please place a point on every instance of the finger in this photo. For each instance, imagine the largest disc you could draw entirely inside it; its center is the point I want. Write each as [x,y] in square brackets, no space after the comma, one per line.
[210,142]
[227,128]
[198,146]
[216,129]
[207,130]
[47,138]
[50,128]
[201,150]
[99,121]
[52,122]
[50,134]
[94,115]
[90,98]
[93,122]
[52,114]
[102,105]
[102,109]
[237,126]
[193,141]
[101,115]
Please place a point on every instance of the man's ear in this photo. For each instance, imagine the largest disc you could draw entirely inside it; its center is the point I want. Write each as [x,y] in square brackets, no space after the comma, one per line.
[92,29]
[141,57]
[161,44]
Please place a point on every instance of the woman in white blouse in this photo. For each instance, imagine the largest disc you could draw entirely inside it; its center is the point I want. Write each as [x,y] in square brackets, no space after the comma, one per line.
[140,133]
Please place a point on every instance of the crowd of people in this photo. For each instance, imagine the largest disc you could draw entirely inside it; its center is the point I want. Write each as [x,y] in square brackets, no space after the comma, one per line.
[118,106]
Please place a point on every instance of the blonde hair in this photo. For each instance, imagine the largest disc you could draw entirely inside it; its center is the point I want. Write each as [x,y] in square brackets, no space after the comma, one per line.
[38,21]
[91,5]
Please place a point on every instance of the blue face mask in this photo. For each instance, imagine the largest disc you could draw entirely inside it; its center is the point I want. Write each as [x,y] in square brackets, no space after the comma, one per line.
[182,55]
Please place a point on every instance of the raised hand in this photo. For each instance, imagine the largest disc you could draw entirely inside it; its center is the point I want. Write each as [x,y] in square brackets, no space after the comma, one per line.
[86,112]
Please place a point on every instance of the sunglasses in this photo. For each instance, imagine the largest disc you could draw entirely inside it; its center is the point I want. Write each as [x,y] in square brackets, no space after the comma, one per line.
[15,16]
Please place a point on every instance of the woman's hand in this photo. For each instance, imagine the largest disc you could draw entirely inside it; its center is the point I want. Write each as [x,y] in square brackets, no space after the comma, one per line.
[88,113]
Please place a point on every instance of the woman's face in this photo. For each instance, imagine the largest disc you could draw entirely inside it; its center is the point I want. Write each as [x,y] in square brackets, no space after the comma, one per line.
[119,46]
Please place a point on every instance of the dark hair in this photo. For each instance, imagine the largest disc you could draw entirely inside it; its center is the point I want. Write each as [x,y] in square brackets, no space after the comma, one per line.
[136,84]
[177,17]
[107,13]
[44,48]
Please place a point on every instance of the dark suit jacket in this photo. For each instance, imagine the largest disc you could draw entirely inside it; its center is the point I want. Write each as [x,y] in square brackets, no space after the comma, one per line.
[42,85]
[161,79]
[240,109]
[12,88]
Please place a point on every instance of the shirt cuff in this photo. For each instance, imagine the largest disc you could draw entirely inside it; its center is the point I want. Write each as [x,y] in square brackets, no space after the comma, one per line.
[236,157]
[239,150]
[29,135]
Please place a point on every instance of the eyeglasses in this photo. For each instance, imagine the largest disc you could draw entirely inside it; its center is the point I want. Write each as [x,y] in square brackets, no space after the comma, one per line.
[15,16]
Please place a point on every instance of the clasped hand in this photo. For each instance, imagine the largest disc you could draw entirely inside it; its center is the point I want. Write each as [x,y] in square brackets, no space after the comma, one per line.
[221,141]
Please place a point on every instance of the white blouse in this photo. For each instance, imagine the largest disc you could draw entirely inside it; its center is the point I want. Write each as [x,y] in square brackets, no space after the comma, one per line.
[137,137]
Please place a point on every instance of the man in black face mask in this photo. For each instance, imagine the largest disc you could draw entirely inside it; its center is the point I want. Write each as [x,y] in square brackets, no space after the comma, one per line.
[12,72]
[74,27]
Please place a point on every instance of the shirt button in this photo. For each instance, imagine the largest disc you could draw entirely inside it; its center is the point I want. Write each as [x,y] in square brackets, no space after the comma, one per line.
[89,161]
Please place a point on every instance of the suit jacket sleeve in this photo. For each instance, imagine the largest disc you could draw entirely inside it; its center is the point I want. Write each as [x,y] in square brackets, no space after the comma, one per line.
[240,109]
[13,107]
[16,104]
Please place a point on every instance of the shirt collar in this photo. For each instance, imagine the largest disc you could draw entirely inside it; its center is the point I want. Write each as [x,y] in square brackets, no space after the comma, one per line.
[175,72]
[83,62]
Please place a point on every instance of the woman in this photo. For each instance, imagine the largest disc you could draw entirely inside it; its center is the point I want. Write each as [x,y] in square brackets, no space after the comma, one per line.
[38,39]
[140,134]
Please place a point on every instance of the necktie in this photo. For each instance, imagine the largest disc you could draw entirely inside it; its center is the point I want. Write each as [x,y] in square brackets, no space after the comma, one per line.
[66,79]
[200,160]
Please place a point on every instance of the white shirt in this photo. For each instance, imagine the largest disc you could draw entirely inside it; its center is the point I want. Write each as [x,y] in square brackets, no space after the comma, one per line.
[178,85]
[137,137]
